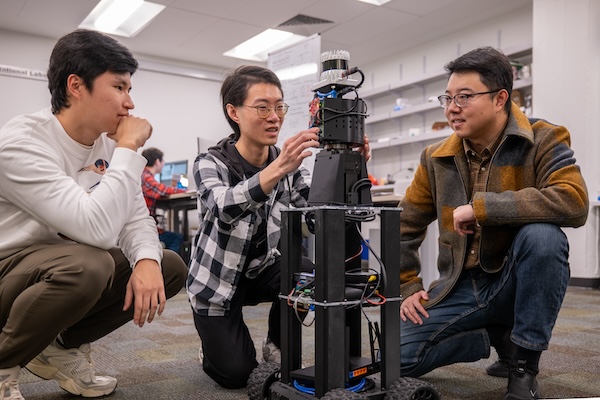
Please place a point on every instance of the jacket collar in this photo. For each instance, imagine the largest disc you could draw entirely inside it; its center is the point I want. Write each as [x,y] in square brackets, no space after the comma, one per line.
[518,125]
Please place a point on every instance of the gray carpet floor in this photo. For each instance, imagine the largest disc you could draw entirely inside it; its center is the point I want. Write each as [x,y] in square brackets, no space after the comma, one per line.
[160,360]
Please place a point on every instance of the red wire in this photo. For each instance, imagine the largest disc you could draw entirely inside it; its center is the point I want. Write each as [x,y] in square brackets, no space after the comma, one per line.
[383,300]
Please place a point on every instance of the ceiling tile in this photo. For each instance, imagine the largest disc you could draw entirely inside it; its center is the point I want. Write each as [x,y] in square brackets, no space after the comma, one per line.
[263,13]
[419,7]
[371,24]
[182,26]
[199,31]
[10,9]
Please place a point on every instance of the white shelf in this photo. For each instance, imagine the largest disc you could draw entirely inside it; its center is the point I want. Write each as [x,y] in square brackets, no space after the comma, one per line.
[400,140]
[398,86]
[374,92]
[380,91]
[416,109]
[402,85]
[385,189]
[430,105]
[522,83]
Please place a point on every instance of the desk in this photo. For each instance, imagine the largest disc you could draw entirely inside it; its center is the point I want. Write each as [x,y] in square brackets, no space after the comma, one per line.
[187,201]
[174,204]
[428,250]
[386,200]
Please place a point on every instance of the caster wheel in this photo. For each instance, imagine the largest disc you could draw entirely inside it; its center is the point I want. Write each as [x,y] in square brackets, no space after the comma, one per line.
[343,394]
[411,389]
[261,379]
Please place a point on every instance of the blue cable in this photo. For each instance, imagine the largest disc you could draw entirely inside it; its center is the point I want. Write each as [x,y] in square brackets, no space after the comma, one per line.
[303,389]
[309,390]
[332,93]
[358,386]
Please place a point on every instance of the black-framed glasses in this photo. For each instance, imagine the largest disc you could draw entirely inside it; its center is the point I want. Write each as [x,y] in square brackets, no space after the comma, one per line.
[264,111]
[461,99]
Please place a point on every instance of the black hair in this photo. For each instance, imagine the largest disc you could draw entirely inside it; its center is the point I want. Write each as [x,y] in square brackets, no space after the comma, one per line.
[87,54]
[235,87]
[493,67]
[152,154]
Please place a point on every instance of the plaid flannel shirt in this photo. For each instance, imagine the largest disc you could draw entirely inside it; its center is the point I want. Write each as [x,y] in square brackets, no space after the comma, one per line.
[227,212]
[154,190]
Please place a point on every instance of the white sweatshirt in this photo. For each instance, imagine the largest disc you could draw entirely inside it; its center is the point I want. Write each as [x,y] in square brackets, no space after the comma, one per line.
[52,188]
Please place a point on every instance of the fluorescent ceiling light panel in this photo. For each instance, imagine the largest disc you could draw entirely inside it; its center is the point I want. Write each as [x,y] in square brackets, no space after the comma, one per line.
[121,17]
[375,2]
[258,47]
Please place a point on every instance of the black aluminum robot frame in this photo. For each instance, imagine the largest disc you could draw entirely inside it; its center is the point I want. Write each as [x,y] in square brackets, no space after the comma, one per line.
[334,358]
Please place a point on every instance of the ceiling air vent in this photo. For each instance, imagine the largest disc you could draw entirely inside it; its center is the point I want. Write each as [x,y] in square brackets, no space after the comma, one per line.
[302,19]
[304,25]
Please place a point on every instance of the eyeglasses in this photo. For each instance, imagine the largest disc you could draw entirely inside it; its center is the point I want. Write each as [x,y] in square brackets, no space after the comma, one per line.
[461,99]
[264,111]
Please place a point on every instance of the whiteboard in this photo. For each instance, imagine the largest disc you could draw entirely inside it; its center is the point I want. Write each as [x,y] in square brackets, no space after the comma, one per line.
[297,66]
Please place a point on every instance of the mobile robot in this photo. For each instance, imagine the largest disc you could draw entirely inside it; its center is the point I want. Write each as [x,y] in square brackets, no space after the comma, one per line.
[340,288]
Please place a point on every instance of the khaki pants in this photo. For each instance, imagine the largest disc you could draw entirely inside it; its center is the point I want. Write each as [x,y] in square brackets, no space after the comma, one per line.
[71,289]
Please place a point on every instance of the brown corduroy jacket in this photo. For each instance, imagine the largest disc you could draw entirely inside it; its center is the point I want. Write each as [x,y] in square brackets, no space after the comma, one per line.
[533,178]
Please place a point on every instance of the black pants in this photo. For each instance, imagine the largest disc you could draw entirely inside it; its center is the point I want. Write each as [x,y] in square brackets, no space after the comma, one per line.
[229,352]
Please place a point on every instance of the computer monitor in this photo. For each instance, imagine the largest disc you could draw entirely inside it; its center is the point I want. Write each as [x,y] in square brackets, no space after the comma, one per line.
[173,172]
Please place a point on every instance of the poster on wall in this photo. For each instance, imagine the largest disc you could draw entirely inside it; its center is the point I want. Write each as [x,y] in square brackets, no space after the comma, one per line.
[297,66]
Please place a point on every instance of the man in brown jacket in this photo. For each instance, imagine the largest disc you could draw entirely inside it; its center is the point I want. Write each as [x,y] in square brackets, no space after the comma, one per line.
[500,186]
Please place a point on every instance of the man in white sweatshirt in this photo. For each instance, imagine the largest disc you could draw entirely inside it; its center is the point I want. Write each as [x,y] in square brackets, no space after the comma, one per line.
[79,253]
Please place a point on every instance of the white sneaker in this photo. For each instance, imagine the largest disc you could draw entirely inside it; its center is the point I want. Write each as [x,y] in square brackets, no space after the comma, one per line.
[270,351]
[73,369]
[9,384]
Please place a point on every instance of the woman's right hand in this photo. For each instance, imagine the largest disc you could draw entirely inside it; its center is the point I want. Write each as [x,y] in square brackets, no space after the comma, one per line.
[295,149]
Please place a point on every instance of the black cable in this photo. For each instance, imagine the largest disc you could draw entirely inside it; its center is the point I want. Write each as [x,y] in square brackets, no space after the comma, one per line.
[343,113]
[309,219]
[362,77]
[359,183]
[349,72]
[364,295]
[381,265]
[360,216]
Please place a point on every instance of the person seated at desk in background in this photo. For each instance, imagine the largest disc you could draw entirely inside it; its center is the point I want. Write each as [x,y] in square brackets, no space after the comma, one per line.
[154,190]
[503,258]
[69,195]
